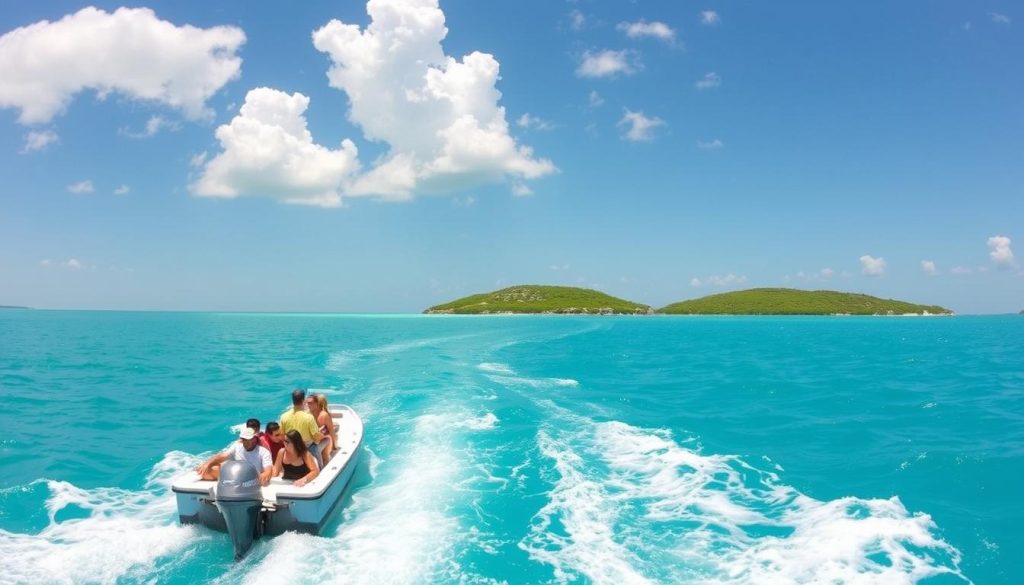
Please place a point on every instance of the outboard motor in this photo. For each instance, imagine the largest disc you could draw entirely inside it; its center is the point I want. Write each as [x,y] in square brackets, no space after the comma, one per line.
[239,501]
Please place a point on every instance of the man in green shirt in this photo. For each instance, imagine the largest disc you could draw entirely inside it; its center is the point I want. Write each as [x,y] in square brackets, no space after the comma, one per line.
[297,419]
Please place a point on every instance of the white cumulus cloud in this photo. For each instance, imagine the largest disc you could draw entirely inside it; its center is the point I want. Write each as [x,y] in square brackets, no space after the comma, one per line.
[122,190]
[439,115]
[39,140]
[130,52]
[871,266]
[85,186]
[999,18]
[718,280]
[638,127]
[269,152]
[608,63]
[1000,253]
[929,268]
[709,18]
[709,81]
[642,28]
[715,144]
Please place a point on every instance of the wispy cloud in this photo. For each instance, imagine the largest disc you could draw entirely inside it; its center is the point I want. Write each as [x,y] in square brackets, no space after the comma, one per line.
[715,144]
[608,63]
[153,126]
[595,100]
[817,275]
[39,140]
[999,18]
[577,19]
[871,266]
[122,190]
[639,128]
[560,267]
[709,18]
[709,81]
[1000,252]
[534,123]
[81,187]
[929,267]
[70,264]
[642,29]
[521,190]
[961,270]
[718,280]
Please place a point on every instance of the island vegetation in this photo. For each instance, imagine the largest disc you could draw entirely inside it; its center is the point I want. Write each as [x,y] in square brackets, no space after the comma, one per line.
[788,301]
[541,299]
[756,301]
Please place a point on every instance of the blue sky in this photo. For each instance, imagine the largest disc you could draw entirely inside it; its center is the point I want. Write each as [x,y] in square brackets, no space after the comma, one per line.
[655,150]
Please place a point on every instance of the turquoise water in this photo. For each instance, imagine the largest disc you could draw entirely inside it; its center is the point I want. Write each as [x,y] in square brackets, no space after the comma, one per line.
[529,449]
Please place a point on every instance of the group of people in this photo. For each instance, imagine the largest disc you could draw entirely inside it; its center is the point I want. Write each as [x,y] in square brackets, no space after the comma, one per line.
[295,449]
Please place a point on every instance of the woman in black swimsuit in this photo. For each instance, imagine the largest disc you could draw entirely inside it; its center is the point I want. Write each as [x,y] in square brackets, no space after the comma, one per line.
[295,462]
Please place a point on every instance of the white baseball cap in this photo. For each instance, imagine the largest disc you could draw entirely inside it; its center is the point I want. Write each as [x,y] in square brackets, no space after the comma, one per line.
[247,434]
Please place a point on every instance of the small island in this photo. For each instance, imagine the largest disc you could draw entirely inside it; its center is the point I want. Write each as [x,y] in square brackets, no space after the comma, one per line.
[13,307]
[532,298]
[538,299]
[788,301]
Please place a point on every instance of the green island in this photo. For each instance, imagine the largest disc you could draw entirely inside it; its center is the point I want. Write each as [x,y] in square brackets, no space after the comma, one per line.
[788,301]
[541,299]
[755,301]
[12,307]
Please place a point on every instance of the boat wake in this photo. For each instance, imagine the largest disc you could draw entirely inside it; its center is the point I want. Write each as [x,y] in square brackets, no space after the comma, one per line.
[504,374]
[100,535]
[632,505]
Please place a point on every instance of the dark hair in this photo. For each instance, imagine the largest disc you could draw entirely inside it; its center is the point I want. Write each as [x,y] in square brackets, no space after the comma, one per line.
[254,424]
[300,445]
[298,396]
[272,427]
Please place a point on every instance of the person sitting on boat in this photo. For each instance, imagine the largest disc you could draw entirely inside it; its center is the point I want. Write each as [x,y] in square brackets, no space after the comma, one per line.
[254,424]
[297,419]
[274,439]
[317,404]
[295,462]
[247,449]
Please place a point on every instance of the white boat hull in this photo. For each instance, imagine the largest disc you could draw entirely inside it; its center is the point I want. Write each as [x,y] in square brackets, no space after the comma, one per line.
[285,507]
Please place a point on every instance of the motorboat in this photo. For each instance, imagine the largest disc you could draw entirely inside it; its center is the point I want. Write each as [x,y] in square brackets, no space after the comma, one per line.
[238,505]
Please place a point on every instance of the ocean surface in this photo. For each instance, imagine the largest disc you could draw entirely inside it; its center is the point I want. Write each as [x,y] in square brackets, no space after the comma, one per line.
[703,450]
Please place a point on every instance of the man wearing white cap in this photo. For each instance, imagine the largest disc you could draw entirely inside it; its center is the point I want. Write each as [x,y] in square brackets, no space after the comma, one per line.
[247,449]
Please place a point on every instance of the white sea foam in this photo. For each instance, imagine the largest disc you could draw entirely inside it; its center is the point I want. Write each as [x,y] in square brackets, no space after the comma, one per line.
[496,368]
[122,537]
[483,423]
[340,360]
[504,374]
[631,505]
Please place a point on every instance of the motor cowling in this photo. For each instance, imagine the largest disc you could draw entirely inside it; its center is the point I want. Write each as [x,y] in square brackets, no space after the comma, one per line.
[239,500]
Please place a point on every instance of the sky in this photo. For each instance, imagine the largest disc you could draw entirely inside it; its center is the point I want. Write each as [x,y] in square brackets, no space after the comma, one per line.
[390,155]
